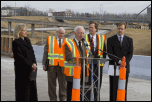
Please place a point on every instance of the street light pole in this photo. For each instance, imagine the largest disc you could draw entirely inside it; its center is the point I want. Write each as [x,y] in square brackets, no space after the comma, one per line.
[100,11]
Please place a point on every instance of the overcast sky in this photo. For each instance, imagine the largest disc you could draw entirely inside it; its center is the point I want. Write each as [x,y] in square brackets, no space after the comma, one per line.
[84,6]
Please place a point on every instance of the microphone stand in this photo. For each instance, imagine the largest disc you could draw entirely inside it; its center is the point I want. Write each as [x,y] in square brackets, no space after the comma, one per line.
[111,55]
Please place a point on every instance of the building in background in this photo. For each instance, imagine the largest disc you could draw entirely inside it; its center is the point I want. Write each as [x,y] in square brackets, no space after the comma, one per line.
[11,11]
[58,13]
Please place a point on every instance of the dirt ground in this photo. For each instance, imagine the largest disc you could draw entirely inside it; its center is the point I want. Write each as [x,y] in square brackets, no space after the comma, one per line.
[141,40]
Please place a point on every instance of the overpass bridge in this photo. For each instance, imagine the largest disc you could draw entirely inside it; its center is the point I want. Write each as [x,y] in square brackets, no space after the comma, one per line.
[33,22]
[115,20]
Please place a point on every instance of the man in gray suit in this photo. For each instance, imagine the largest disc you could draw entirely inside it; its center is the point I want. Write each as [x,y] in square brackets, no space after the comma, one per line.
[57,68]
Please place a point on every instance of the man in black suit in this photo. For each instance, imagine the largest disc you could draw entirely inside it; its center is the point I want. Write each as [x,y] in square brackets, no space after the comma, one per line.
[119,45]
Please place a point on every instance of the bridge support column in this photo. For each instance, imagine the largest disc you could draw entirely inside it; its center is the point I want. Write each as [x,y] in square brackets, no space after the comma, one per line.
[32,30]
[9,28]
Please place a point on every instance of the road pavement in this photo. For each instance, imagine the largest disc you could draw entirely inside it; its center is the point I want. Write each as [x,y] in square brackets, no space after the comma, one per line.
[138,89]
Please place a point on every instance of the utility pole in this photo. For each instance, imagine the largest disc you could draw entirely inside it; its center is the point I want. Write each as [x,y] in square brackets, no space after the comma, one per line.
[15,9]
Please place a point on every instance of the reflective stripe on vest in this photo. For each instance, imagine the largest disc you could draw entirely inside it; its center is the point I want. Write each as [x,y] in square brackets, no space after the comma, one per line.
[53,53]
[71,45]
[69,65]
[101,39]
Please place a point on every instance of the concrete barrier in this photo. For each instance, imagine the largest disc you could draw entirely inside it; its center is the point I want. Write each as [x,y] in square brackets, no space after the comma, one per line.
[140,66]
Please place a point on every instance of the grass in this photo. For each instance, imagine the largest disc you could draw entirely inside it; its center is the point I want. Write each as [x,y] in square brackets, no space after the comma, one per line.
[141,40]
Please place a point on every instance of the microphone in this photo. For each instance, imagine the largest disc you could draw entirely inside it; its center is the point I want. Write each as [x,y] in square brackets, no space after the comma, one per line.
[105,52]
[85,44]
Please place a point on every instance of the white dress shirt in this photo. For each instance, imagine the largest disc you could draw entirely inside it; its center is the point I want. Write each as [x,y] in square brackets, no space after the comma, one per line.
[94,40]
[58,40]
[78,42]
[119,40]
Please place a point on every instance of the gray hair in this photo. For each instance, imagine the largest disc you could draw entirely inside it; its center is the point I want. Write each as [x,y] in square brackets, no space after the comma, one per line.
[18,29]
[58,29]
[77,27]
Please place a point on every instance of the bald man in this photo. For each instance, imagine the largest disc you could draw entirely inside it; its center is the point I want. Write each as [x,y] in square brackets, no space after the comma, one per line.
[53,51]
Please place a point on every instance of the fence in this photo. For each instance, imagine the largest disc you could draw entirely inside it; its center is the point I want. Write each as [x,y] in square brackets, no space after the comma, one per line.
[6,46]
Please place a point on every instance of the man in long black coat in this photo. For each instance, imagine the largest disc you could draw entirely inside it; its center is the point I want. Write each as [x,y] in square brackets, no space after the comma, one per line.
[24,59]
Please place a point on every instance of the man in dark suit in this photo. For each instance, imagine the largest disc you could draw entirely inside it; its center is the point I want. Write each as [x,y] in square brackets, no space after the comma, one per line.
[79,34]
[94,40]
[25,63]
[119,45]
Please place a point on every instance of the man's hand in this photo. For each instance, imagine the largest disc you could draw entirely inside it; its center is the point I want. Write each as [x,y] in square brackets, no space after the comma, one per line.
[44,68]
[121,64]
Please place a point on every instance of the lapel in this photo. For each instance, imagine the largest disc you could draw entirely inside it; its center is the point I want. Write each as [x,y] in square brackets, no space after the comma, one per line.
[89,38]
[96,43]
[117,41]
[26,44]
[78,47]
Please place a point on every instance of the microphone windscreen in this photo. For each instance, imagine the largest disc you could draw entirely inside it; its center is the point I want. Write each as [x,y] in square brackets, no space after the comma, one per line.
[82,39]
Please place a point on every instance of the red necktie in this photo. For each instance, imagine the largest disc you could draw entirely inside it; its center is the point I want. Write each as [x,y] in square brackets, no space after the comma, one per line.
[92,43]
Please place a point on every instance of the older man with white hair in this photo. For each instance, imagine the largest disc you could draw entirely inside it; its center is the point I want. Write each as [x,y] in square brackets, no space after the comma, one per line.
[74,47]
[53,63]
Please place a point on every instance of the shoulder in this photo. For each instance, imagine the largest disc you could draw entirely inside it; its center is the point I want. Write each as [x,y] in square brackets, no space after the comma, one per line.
[27,39]
[112,37]
[15,41]
[128,38]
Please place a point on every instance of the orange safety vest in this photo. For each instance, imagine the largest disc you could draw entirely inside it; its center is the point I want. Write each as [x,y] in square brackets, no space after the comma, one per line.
[55,53]
[101,40]
[69,66]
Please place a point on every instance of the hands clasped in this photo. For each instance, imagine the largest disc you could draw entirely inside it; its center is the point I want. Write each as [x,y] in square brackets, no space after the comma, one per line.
[34,67]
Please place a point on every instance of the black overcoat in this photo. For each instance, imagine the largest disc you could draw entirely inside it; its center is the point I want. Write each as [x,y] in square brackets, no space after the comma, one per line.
[24,57]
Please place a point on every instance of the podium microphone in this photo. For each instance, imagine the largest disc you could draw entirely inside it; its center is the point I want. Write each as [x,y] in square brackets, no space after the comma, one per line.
[105,52]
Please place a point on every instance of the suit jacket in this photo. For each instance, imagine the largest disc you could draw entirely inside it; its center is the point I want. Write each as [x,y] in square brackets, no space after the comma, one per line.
[114,47]
[45,56]
[95,54]
[68,57]
[24,57]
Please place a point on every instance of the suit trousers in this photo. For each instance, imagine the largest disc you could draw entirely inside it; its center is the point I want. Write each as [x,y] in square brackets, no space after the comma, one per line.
[95,71]
[113,81]
[53,73]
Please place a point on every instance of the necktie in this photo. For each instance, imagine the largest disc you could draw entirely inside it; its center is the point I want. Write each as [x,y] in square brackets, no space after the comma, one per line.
[120,41]
[60,43]
[92,44]
[80,47]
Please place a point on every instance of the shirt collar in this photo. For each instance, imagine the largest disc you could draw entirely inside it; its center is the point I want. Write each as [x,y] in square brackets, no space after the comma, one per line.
[58,38]
[119,36]
[77,41]
[93,36]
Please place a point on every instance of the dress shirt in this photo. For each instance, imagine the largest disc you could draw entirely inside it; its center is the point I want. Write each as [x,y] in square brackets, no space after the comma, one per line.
[119,40]
[121,37]
[58,40]
[78,42]
[94,41]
